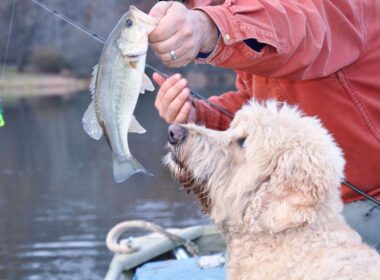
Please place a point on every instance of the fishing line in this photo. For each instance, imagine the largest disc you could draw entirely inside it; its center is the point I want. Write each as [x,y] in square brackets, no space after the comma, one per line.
[2,120]
[8,38]
[102,41]
[193,93]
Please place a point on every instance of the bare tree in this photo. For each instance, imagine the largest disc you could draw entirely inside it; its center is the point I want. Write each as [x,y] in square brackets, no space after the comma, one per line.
[35,28]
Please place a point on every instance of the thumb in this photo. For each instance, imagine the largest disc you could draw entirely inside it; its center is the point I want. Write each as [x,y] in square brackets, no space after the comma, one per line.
[158,78]
[159,10]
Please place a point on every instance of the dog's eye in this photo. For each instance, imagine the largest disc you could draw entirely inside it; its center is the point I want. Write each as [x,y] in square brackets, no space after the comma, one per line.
[241,141]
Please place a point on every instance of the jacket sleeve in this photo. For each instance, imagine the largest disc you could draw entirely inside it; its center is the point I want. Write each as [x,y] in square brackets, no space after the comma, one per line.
[230,101]
[304,39]
[195,3]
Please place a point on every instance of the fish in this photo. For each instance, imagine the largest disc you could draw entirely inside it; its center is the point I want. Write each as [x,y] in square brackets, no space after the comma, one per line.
[117,81]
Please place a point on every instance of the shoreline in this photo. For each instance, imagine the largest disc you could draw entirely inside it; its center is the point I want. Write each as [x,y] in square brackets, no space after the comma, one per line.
[19,85]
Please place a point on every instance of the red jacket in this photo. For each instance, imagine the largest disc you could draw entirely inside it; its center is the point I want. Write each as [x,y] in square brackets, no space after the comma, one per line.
[321,55]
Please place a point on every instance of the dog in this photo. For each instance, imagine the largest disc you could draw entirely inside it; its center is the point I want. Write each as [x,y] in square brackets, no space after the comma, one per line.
[271,184]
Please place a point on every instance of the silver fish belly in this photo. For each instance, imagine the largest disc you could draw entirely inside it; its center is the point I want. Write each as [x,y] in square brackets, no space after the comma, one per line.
[117,83]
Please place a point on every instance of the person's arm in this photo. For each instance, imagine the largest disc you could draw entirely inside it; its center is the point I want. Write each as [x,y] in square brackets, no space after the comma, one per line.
[304,39]
[175,104]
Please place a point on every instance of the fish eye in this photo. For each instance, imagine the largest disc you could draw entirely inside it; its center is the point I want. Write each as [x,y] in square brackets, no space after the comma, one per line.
[129,22]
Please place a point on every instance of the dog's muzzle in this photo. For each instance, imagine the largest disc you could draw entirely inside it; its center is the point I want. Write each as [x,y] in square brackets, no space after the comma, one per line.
[177,158]
[177,134]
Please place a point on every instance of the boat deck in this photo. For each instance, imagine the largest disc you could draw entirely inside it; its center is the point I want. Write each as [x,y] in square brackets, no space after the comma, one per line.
[156,258]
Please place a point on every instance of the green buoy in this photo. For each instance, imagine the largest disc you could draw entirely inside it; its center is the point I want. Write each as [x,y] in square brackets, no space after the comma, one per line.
[2,121]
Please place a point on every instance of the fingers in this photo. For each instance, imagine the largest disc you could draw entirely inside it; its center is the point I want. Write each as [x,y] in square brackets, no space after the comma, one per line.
[176,107]
[184,53]
[165,28]
[158,78]
[185,31]
[160,9]
[168,91]
[165,46]
[173,99]
[184,113]
[184,56]
[177,31]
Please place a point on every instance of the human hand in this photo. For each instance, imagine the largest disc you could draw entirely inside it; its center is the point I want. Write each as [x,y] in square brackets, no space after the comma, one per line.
[186,32]
[173,101]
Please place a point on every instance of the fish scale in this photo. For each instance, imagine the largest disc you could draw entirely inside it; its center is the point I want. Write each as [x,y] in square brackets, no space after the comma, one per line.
[116,87]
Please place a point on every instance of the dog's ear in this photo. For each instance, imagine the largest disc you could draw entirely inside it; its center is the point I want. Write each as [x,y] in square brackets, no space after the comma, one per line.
[290,196]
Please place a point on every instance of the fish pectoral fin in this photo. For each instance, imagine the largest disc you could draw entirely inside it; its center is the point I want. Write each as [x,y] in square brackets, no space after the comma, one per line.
[136,127]
[91,124]
[146,84]
[93,80]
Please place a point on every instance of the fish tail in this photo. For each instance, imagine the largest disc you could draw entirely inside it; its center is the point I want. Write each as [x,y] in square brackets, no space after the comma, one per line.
[123,168]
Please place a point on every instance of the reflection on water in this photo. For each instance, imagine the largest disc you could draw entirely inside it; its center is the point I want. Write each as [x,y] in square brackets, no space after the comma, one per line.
[57,195]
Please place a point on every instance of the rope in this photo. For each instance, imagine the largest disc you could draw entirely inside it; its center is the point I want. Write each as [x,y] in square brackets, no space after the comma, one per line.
[128,247]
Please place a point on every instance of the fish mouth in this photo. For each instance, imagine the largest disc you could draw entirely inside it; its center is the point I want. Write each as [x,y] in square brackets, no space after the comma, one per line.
[132,56]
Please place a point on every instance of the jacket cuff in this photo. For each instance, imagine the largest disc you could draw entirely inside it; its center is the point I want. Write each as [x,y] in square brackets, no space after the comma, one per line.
[235,36]
[217,53]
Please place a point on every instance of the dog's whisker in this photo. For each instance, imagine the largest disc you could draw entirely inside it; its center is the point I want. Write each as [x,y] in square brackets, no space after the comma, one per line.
[275,197]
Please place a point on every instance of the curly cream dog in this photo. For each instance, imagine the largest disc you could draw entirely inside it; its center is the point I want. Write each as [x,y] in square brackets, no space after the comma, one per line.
[271,183]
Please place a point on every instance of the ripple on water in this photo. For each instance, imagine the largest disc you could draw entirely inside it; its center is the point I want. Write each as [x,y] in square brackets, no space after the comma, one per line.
[57,196]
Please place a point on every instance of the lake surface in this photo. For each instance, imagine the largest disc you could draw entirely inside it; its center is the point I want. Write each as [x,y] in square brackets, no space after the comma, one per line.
[57,195]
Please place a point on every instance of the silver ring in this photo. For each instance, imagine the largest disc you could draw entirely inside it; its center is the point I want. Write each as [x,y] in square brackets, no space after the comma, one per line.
[173,56]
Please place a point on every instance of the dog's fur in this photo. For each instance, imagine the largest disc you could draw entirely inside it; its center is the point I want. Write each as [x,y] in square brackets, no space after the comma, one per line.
[271,184]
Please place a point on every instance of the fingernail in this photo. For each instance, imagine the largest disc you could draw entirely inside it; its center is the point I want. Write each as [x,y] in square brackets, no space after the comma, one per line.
[177,76]
[182,82]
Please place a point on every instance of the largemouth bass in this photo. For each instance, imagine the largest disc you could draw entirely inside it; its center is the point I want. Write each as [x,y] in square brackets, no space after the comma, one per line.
[117,81]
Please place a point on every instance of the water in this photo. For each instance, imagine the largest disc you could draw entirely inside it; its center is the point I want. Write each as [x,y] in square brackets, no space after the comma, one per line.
[57,195]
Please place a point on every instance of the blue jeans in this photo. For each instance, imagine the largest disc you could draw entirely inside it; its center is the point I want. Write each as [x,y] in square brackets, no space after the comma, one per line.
[364,217]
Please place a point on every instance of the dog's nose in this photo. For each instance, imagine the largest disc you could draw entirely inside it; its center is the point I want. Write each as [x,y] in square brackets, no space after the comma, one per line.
[177,134]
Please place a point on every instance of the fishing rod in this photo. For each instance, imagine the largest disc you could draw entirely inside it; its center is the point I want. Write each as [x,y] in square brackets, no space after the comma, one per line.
[2,120]
[193,93]
[102,41]
[359,191]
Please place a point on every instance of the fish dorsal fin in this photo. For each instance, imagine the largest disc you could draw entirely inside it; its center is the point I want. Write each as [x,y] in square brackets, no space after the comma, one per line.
[93,80]
[146,84]
[91,124]
[135,126]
